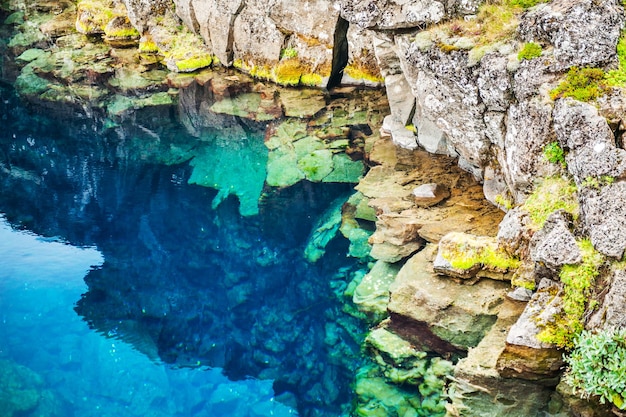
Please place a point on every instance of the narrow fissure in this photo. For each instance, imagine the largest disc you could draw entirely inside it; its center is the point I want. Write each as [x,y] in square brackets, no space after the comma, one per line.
[340,53]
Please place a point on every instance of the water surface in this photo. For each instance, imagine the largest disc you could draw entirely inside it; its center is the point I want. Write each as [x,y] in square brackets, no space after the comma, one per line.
[126,290]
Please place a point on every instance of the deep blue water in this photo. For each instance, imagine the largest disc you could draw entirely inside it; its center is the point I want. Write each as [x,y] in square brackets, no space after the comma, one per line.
[127,291]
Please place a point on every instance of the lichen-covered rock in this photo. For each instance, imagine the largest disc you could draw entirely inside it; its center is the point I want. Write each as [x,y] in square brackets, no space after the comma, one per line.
[583,32]
[590,141]
[494,82]
[385,15]
[447,93]
[612,312]
[528,131]
[555,245]
[142,12]
[544,304]
[604,216]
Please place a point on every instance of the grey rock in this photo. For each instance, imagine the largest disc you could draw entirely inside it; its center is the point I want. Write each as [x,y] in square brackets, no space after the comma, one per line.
[544,304]
[612,311]
[494,82]
[495,127]
[554,245]
[255,36]
[514,232]
[520,294]
[605,216]
[583,32]
[447,94]
[392,14]
[532,78]
[587,135]
[494,185]
[529,129]
[400,135]
[141,11]
[577,124]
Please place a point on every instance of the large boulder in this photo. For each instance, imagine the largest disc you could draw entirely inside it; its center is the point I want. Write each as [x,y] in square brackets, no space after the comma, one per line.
[583,32]
[438,312]
[605,216]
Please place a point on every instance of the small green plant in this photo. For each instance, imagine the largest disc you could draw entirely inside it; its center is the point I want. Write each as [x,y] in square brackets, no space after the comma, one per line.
[524,4]
[530,50]
[597,183]
[504,202]
[553,153]
[577,283]
[597,366]
[617,77]
[582,84]
[288,53]
[553,193]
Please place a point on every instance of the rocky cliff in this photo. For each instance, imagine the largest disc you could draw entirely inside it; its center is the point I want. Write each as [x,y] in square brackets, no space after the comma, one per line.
[525,96]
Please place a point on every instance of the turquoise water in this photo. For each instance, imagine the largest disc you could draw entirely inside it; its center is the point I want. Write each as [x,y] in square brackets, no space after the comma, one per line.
[127,291]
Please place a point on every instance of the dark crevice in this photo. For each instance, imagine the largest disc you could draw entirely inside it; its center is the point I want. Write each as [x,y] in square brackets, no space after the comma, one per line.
[230,52]
[340,53]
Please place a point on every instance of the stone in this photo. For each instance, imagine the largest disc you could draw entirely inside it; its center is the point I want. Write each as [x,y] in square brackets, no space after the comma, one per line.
[479,390]
[400,134]
[514,232]
[302,103]
[520,294]
[494,82]
[605,216]
[372,294]
[589,138]
[446,316]
[528,131]
[427,195]
[324,230]
[462,255]
[583,32]
[554,245]
[447,93]
[538,312]
[611,313]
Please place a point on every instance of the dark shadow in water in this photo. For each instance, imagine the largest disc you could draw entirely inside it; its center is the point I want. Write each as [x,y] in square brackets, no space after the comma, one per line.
[184,283]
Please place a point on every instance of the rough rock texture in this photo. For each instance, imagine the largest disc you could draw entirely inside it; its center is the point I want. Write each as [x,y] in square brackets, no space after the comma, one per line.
[605,216]
[612,313]
[554,245]
[572,27]
[438,312]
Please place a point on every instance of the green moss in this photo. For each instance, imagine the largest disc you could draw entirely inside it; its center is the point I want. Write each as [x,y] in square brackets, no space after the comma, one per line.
[312,80]
[582,84]
[363,72]
[524,4]
[577,284]
[617,77]
[288,72]
[288,53]
[465,252]
[553,193]
[122,32]
[147,46]
[530,50]
[194,63]
[503,202]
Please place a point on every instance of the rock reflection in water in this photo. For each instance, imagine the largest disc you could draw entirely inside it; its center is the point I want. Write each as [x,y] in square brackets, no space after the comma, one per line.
[184,283]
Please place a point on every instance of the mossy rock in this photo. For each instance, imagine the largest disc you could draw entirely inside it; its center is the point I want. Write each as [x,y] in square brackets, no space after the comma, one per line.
[372,296]
[317,165]
[282,169]
[345,170]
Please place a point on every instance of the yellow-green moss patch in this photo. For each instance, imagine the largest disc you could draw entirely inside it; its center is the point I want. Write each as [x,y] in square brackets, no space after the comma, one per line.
[551,194]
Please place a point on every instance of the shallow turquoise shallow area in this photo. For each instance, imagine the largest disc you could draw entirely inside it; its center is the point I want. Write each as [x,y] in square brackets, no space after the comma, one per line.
[128,290]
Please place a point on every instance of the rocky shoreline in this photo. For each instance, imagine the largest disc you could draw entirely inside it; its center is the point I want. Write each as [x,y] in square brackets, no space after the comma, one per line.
[473,127]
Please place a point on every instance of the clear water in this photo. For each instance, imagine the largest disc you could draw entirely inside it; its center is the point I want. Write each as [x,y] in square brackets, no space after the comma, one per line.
[126,291]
